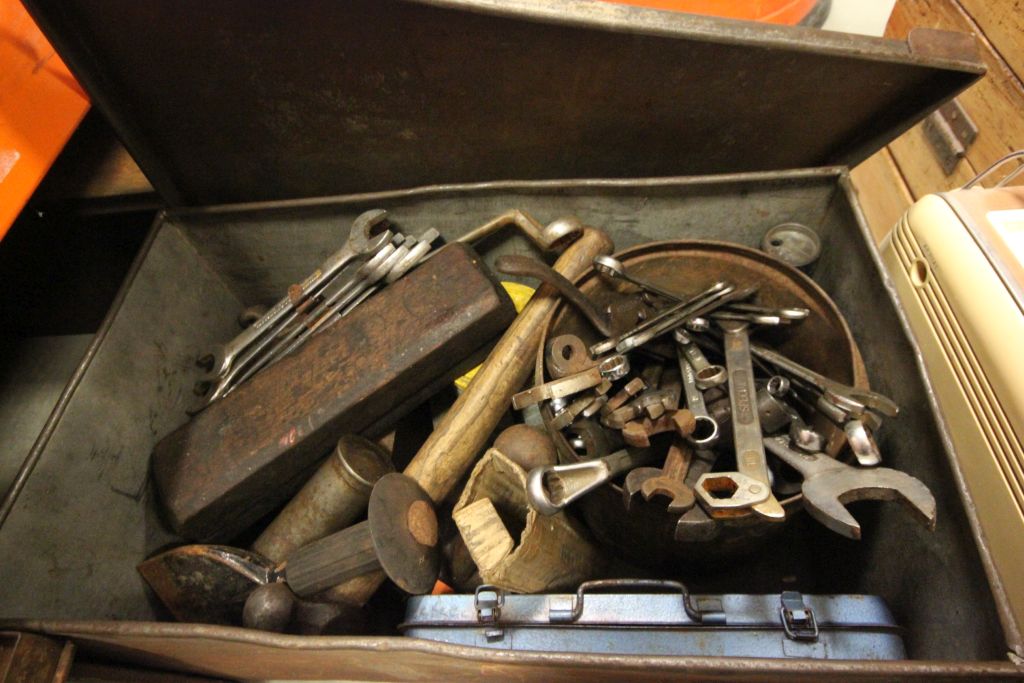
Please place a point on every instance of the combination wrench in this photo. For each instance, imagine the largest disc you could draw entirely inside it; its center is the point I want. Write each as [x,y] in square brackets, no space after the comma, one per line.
[368,235]
[255,358]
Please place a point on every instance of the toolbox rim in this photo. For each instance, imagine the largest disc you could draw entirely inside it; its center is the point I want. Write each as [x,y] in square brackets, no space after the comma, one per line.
[84,628]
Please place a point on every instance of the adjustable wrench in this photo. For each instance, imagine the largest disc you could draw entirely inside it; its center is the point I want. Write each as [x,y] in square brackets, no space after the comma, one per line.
[751,462]
[367,236]
[830,484]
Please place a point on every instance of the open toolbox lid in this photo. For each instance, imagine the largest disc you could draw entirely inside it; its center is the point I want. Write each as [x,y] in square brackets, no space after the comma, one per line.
[239,102]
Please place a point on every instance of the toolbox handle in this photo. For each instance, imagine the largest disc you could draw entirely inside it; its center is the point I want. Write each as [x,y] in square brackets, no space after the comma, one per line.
[573,614]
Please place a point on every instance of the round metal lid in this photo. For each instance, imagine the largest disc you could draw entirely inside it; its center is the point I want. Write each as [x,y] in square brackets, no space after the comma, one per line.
[403,526]
[360,461]
[792,243]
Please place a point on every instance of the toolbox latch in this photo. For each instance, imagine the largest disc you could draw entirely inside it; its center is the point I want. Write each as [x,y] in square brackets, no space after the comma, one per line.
[488,601]
[797,618]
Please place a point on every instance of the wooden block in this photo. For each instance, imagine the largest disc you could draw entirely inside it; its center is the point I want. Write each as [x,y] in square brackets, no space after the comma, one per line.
[883,193]
[487,539]
[248,452]
[994,103]
[1003,24]
[513,546]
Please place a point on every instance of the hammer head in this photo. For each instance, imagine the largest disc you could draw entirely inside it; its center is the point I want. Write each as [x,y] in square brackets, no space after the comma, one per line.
[826,495]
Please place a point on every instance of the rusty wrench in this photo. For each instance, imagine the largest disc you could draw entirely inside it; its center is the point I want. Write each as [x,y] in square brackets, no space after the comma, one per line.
[830,484]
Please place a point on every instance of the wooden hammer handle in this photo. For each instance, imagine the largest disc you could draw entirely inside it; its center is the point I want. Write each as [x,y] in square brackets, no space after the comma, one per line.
[461,436]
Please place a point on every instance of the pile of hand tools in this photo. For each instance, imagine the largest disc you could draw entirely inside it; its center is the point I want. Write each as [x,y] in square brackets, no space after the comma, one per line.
[657,391]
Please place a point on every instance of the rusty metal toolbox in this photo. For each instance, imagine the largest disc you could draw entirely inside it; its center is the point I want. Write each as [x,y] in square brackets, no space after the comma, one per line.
[648,124]
[663,618]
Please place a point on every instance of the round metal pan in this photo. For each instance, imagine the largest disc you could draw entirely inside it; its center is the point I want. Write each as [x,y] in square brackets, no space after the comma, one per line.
[823,342]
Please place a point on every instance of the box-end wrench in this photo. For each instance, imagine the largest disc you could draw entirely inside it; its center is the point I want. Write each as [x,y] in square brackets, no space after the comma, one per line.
[368,235]
[706,432]
[613,269]
[706,375]
[829,484]
[751,461]
[552,487]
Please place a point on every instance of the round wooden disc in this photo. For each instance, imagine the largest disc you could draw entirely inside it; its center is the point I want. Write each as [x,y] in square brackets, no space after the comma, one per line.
[403,526]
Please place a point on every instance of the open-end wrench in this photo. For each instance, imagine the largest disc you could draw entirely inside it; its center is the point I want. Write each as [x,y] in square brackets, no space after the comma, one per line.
[255,358]
[418,252]
[696,525]
[552,487]
[751,461]
[368,235]
[856,397]
[704,302]
[829,485]
[667,481]
[791,314]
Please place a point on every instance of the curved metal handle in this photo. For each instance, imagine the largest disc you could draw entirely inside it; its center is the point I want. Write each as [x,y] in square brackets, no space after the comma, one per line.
[524,266]
[619,584]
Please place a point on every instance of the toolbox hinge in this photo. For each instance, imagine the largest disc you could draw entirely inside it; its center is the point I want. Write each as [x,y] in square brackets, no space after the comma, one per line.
[797,618]
[488,601]
[950,131]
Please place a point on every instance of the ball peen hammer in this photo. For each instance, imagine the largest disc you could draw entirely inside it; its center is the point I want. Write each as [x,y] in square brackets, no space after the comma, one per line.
[461,436]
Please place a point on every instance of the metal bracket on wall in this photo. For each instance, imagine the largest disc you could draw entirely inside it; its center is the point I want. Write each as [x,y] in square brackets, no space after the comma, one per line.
[950,131]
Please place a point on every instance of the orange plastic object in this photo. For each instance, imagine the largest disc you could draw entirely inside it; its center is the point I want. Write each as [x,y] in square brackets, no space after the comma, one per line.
[41,104]
[770,11]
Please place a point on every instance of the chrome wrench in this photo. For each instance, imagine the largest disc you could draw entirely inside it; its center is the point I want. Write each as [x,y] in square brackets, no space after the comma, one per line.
[367,236]
[254,359]
[751,461]
[550,488]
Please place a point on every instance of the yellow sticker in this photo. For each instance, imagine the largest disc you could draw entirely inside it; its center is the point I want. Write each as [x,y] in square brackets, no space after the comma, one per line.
[520,295]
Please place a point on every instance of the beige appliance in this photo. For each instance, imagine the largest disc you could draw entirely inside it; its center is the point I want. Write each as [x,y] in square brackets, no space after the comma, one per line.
[957,260]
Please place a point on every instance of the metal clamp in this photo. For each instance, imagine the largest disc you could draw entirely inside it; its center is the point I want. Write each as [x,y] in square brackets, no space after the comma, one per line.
[488,601]
[562,613]
[797,618]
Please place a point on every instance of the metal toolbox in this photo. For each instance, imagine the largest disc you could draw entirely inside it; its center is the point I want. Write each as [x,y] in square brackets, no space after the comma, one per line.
[661,618]
[675,126]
